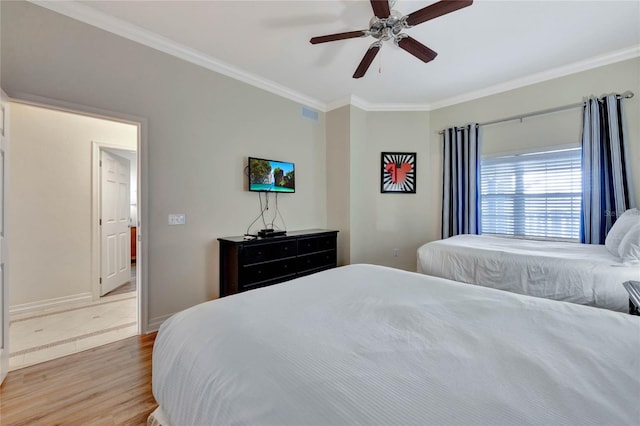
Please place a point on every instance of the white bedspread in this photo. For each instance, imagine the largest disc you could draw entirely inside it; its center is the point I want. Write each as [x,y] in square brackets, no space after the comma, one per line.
[370,345]
[586,274]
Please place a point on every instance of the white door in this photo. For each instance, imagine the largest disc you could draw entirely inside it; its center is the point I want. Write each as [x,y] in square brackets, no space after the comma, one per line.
[4,291]
[115,232]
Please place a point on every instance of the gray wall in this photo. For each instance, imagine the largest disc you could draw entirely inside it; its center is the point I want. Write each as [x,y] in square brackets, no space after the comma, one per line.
[381,223]
[373,225]
[201,128]
[338,179]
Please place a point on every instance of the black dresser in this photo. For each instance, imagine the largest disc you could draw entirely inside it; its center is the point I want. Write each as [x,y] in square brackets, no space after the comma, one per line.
[249,264]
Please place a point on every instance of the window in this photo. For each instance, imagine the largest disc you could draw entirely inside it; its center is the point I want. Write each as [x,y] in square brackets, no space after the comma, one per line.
[532,195]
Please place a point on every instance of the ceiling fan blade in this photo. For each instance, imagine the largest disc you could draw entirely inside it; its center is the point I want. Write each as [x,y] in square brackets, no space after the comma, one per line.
[366,60]
[417,49]
[338,36]
[381,8]
[437,9]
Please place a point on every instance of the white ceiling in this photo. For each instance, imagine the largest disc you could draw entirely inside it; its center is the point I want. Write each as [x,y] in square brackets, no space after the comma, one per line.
[486,48]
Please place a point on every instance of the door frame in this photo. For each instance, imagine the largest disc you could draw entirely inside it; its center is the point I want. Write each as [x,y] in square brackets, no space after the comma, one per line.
[142,269]
[4,246]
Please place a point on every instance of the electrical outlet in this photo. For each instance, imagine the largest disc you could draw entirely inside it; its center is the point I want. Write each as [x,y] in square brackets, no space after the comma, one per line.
[396,252]
[177,219]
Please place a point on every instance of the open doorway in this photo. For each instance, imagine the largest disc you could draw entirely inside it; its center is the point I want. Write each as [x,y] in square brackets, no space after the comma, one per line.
[56,306]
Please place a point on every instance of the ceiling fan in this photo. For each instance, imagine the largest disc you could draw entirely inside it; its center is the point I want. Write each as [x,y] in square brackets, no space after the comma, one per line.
[388,24]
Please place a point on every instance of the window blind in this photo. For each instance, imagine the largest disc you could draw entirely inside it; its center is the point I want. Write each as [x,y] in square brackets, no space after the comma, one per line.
[534,195]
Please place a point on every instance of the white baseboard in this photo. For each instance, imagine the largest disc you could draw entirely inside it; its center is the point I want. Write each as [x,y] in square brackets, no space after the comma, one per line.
[155,323]
[57,302]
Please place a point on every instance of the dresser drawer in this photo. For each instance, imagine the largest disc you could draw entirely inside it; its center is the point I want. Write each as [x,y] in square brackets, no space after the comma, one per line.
[276,280]
[310,245]
[316,260]
[246,264]
[267,271]
[269,251]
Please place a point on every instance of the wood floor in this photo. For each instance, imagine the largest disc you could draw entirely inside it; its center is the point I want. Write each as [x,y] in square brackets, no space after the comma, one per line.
[108,385]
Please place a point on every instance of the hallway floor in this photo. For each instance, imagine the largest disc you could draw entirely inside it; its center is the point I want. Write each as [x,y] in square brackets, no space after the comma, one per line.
[49,334]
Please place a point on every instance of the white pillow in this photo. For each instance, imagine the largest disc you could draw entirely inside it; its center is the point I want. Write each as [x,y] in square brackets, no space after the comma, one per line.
[620,229]
[629,249]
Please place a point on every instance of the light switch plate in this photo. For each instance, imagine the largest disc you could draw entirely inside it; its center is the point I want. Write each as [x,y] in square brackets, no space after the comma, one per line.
[177,219]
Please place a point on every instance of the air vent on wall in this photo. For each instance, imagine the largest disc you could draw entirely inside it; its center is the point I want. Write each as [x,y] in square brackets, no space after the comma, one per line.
[309,114]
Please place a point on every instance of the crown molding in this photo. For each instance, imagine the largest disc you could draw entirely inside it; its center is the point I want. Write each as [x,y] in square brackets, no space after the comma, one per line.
[132,32]
[339,103]
[364,105]
[357,101]
[399,107]
[576,67]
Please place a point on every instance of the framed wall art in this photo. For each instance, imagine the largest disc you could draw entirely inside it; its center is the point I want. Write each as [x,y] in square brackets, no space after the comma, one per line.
[398,174]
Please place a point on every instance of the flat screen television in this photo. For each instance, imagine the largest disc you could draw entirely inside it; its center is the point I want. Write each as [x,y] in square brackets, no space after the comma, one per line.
[271,176]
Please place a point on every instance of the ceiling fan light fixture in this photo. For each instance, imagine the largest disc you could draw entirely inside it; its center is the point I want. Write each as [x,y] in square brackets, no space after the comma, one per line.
[387,24]
[392,25]
[395,16]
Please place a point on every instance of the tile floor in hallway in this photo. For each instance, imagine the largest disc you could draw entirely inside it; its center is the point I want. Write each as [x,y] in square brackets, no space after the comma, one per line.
[45,335]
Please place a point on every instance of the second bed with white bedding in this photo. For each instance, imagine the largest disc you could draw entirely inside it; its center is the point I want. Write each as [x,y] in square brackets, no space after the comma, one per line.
[586,274]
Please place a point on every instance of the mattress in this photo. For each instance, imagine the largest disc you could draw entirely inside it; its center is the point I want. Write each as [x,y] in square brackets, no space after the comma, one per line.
[586,274]
[365,344]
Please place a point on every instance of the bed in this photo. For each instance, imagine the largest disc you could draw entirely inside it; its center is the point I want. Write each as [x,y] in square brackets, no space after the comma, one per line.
[364,344]
[586,274]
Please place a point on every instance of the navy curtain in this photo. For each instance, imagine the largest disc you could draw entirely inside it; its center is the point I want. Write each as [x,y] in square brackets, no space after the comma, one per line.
[606,182]
[461,172]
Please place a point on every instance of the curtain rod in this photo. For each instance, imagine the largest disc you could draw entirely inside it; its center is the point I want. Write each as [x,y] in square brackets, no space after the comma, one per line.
[626,95]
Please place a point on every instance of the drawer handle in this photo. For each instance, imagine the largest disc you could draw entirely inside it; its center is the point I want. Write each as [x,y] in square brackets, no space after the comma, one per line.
[259,272]
[259,253]
[286,248]
[286,266]
[308,261]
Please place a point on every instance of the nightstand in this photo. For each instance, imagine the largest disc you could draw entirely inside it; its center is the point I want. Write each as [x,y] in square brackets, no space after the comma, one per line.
[633,288]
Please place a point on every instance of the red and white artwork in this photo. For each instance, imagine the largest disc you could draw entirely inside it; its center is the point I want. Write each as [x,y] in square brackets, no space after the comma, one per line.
[398,172]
